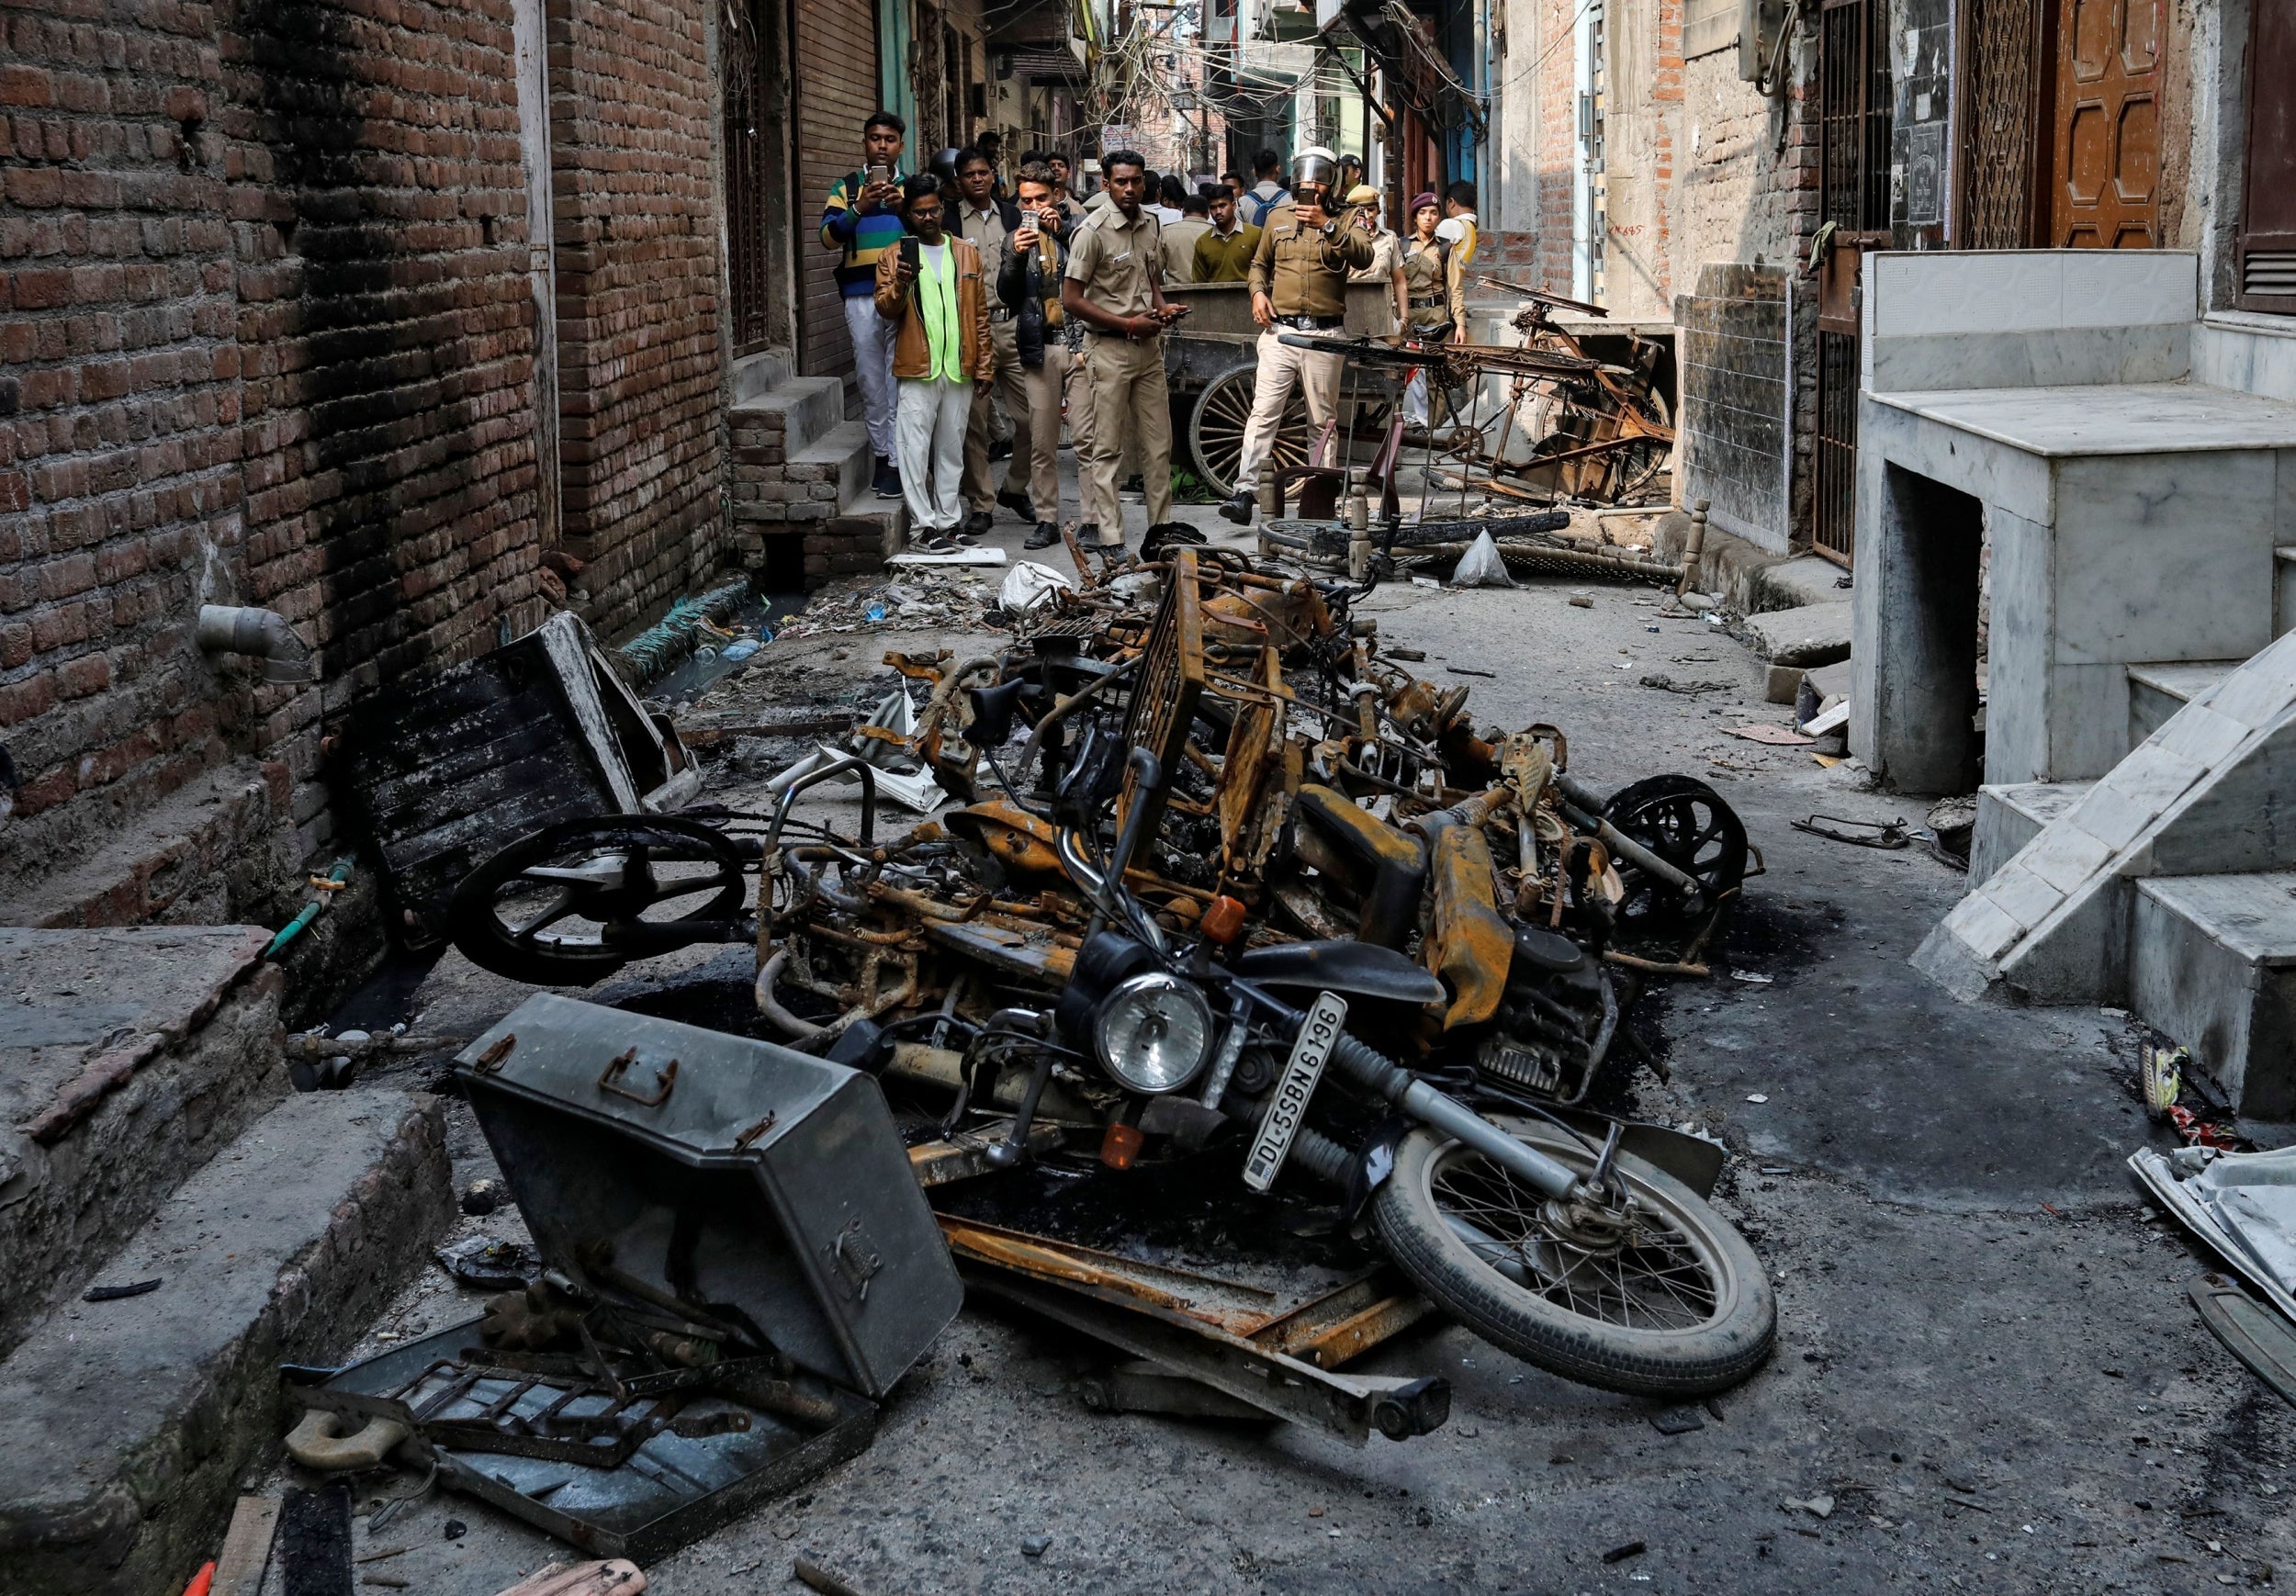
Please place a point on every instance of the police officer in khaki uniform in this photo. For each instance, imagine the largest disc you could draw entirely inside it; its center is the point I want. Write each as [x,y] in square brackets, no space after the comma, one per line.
[1298,281]
[983,220]
[1113,286]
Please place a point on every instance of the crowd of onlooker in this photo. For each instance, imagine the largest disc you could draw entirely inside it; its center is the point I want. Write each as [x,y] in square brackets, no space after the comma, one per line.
[969,289]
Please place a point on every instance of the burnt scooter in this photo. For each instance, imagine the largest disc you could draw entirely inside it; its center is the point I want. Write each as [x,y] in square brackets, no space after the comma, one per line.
[1564,1249]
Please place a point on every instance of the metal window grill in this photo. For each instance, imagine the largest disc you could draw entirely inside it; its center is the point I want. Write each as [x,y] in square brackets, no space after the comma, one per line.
[746,199]
[1837,494]
[2003,53]
[1853,111]
[1854,115]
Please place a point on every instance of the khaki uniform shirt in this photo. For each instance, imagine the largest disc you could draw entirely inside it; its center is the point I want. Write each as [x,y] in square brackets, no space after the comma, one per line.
[983,229]
[1179,248]
[1304,271]
[1118,262]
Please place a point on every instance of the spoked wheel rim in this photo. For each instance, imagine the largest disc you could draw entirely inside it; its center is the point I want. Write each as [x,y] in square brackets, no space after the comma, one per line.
[1215,433]
[573,903]
[1631,1266]
[1685,823]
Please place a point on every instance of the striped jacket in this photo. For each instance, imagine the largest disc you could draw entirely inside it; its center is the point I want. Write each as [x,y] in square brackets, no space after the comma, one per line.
[862,238]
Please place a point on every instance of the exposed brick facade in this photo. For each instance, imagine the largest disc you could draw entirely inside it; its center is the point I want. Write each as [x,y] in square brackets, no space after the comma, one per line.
[268,336]
[640,366]
[386,334]
[120,442]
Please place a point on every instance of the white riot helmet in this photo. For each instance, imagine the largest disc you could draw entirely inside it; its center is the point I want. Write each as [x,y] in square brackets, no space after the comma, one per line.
[1316,165]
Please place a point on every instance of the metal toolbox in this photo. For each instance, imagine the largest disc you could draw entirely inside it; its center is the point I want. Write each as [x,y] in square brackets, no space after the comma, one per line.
[758,1186]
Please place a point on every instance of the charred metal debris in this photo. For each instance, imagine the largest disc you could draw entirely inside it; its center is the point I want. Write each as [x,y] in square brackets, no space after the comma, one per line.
[1196,838]
[1314,789]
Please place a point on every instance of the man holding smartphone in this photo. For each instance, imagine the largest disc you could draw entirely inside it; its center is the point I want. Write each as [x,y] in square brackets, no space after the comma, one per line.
[862,221]
[930,289]
[985,222]
[1113,284]
[1028,282]
[1298,281]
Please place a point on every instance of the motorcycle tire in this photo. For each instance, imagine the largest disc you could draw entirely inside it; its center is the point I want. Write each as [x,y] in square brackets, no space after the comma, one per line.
[1715,1339]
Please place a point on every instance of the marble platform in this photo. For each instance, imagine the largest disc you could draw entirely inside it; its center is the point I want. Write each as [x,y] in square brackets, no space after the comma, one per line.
[2131,516]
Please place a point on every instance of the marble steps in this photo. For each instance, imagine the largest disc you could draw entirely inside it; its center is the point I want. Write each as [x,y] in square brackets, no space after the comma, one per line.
[2158,690]
[2011,815]
[2204,794]
[2213,964]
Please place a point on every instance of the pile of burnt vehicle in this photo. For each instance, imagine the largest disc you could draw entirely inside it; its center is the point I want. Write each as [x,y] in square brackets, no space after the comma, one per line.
[1220,885]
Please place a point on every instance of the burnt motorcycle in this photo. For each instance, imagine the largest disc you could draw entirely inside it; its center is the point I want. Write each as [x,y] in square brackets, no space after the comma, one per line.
[1547,1236]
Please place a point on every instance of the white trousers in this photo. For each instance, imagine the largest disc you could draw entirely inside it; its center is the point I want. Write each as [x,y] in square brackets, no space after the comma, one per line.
[1282,367]
[934,413]
[872,362]
[1415,398]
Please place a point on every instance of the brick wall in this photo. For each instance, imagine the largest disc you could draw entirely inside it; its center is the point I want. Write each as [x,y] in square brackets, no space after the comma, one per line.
[266,337]
[121,491]
[641,367]
[385,342]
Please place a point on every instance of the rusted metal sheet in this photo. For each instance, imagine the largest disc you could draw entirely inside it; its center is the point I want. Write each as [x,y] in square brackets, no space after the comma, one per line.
[1469,944]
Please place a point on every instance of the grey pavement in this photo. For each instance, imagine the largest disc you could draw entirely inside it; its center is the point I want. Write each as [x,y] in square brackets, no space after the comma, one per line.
[1987,1360]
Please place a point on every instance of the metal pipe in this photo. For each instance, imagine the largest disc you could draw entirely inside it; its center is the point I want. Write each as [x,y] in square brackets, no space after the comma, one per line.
[771,1006]
[1455,1120]
[260,633]
[814,777]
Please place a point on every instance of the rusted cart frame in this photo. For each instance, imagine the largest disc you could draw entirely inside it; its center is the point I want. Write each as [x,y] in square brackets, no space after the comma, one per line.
[1617,402]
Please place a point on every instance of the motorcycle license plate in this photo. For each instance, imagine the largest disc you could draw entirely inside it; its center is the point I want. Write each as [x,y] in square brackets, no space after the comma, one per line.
[1280,1125]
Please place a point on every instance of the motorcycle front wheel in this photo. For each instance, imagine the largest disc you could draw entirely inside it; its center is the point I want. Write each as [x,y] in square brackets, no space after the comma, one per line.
[1657,1296]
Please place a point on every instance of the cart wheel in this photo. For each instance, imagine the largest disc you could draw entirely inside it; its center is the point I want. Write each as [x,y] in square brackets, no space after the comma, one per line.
[1215,433]
[1634,466]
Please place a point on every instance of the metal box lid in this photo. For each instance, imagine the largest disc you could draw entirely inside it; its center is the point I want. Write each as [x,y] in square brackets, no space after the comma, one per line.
[760,1185]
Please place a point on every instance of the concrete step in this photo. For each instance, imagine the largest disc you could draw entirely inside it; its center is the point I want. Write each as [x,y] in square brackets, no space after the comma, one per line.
[760,374]
[2159,690]
[128,1057]
[2213,964]
[841,459]
[125,1426]
[2206,795]
[2283,590]
[171,861]
[1808,635]
[803,409]
[2009,816]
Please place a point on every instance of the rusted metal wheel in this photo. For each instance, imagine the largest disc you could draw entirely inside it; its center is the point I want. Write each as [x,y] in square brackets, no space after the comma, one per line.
[571,903]
[1215,433]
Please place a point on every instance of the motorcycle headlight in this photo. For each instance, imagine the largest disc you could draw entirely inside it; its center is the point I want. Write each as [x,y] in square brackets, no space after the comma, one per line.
[1155,1033]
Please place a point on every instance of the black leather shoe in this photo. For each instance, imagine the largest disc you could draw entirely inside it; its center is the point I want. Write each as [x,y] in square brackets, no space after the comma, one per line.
[1239,507]
[1089,533]
[888,480]
[1018,503]
[977,523]
[1045,535]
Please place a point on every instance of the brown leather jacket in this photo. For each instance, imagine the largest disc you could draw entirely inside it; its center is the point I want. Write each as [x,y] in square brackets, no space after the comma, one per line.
[911,355]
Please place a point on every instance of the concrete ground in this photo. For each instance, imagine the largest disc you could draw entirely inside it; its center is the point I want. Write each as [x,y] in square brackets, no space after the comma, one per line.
[1987,1371]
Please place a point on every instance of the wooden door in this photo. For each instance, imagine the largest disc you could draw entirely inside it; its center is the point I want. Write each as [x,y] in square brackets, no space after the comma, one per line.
[2109,80]
[2268,214]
